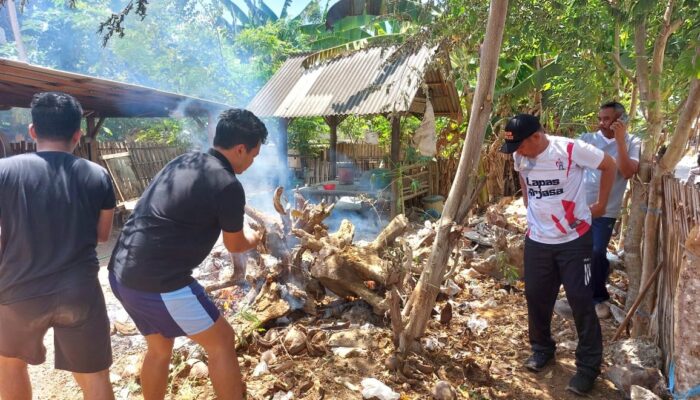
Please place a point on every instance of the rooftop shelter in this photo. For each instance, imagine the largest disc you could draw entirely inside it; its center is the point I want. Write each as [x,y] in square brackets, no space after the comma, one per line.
[387,81]
[100,98]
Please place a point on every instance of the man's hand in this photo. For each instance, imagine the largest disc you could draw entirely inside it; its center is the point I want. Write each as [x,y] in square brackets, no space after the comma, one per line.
[620,129]
[597,210]
[243,240]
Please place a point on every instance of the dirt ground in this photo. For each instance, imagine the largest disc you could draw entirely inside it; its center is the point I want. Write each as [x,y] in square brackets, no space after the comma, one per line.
[479,360]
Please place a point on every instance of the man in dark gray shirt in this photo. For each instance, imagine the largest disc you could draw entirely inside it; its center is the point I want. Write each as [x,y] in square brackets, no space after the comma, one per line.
[54,208]
[193,200]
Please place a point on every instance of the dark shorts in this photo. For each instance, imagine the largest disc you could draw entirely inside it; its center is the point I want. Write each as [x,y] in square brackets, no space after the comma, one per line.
[81,329]
[183,312]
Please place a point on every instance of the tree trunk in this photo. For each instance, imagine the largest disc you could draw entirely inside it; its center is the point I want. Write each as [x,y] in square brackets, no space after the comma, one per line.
[16,32]
[649,85]
[674,152]
[420,303]
[653,200]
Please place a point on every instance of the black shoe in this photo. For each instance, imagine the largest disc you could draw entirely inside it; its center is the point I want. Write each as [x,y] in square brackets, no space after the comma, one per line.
[580,384]
[538,360]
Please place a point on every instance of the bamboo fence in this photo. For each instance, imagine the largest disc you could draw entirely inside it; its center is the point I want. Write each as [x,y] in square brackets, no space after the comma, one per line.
[681,212]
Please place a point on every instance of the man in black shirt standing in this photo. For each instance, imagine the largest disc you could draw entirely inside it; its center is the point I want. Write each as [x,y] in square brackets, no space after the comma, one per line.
[173,228]
[54,208]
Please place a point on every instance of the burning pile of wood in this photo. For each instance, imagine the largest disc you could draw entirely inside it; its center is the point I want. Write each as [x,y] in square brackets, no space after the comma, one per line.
[298,258]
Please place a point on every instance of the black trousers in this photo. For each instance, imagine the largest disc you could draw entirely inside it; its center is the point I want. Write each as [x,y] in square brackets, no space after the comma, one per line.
[547,266]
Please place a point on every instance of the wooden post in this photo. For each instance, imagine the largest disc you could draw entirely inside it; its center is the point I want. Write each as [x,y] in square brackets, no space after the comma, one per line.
[333,121]
[284,142]
[395,155]
[91,138]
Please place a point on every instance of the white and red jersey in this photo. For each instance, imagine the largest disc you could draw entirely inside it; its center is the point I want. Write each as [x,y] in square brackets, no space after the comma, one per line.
[557,210]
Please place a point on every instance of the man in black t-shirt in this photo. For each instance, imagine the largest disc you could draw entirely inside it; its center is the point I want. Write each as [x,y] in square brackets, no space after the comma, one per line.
[54,209]
[172,230]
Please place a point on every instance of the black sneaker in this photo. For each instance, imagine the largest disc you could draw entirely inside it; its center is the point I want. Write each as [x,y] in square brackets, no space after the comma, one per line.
[538,360]
[580,384]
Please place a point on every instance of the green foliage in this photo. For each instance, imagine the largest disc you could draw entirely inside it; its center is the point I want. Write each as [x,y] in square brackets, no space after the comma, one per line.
[508,270]
[556,58]
[305,134]
[167,131]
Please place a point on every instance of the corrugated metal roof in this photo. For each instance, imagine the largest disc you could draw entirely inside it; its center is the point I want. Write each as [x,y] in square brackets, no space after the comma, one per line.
[104,98]
[361,83]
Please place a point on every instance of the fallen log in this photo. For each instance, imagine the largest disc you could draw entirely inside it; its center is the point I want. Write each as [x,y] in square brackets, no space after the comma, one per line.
[346,269]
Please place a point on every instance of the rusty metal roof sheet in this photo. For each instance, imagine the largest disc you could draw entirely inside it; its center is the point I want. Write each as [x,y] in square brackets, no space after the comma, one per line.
[364,82]
[101,97]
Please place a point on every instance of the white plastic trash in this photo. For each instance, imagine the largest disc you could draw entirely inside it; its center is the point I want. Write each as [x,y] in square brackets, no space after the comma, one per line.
[373,388]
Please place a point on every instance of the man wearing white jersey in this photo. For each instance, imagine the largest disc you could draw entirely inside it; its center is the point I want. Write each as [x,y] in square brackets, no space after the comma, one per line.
[558,242]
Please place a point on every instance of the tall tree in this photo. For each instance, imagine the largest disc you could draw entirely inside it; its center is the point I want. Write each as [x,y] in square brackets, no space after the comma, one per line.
[420,304]
[16,31]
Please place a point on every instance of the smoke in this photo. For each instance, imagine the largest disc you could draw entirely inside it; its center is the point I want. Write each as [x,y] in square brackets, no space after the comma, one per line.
[267,172]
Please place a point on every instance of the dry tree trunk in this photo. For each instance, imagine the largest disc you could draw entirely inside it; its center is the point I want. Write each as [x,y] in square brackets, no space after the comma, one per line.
[347,270]
[649,84]
[417,309]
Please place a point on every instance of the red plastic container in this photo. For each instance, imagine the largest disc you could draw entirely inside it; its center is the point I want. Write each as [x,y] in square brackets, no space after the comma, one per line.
[329,186]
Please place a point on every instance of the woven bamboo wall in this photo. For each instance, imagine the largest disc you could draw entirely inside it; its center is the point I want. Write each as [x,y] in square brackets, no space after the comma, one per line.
[681,211]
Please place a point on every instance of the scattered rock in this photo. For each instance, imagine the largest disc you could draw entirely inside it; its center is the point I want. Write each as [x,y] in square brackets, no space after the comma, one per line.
[617,313]
[268,357]
[640,352]
[563,309]
[349,352]
[392,363]
[295,341]
[640,393]
[350,338]
[443,391]
[199,370]
[569,345]
[624,377]
[432,344]
[450,288]
[133,366]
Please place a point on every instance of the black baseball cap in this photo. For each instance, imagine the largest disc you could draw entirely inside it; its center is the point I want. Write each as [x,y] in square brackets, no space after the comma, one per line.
[519,128]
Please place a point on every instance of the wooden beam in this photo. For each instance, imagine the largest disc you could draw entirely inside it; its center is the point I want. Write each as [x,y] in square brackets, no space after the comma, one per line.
[333,121]
[91,141]
[395,154]
[96,129]
[283,142]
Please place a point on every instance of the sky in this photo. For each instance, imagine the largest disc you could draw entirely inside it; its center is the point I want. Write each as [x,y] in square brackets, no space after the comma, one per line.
[276,5]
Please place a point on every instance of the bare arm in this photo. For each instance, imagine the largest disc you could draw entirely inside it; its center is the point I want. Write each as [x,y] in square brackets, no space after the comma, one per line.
[523,189]
[607,168]
[241,241]
[104,225]
[627,166]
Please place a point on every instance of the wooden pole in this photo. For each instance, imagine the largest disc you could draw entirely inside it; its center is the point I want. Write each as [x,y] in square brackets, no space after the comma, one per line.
[284,142]
[333,122]
[91,140]
[395,139]
[395,158]
[637,302]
